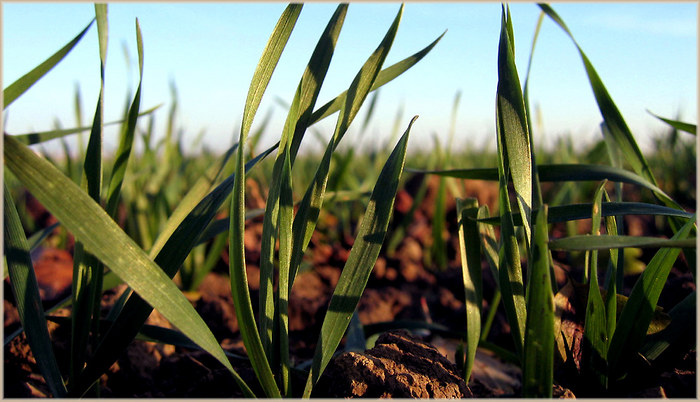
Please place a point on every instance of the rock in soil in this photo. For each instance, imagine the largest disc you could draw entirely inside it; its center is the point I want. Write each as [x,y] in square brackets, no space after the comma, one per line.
[398,366]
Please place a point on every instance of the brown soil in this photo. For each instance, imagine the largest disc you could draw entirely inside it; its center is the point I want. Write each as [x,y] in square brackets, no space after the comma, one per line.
[402,287]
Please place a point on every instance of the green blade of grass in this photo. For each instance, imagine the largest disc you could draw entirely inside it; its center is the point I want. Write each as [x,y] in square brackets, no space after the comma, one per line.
[87,269]
[612,116]
[638,311]
[310,206]
[512,124]
[510,271]
[17,88]
[618,129]
[489,246]
[678,125]
[536,190]
[26,292]
[557,173]
[239,280]
[43,136]
[127,137]
[570,212]
[286,213]
[470,254]
[360,262]
[385,76]
[595,336]
[614,265]
[90,224]
[588,242]
[293,132]
[538,353]
[315,74]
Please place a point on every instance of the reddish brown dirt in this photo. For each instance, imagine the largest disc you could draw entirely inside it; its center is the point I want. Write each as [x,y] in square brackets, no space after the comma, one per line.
[401,287]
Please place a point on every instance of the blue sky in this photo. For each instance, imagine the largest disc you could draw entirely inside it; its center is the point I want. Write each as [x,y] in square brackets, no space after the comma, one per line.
[646,54]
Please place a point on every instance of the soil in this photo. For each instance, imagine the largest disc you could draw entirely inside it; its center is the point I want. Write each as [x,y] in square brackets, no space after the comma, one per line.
[403,286]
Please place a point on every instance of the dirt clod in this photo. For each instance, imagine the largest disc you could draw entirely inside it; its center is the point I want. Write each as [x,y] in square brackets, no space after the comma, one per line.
[398,366]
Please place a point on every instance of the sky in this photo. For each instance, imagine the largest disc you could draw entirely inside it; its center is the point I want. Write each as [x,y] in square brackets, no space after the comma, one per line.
[645,53]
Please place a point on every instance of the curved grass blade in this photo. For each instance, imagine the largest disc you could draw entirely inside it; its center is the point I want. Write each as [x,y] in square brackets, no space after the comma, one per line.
[557,173]
[43,136]
[538,354]
[615,265]
[595,335]
[385,76]
[286,218]
[619,131]
[293,132]
[639,309]
[239,279]
[510,272]
[26,292]
[678,125]
[87,269]
[90,224]
[588,242]
[570,212]
[17,88]
[490,247]
[310,206]
[470,253]
[315,74]
[536,190]
[360,262]
[127,138]
[612,116]
[512,124]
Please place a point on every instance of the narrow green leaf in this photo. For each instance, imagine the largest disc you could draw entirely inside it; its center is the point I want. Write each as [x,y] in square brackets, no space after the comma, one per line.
[87,269]
[588,242]
[385,76]
[26,292]
[512,125]
[239,280]
[17,88]
[292,134]
[470,254]
[126,139]
[612,116]
[510,271]
[538,357]
[315,74]
[557,173]
[310,206]
[619,131]
[595,336]
[90,224]
[570,212]
[678,125]
[637,313]
[360,262]
[286,218]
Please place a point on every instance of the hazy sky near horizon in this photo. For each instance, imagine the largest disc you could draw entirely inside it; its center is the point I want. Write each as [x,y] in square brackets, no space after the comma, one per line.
[645,53]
